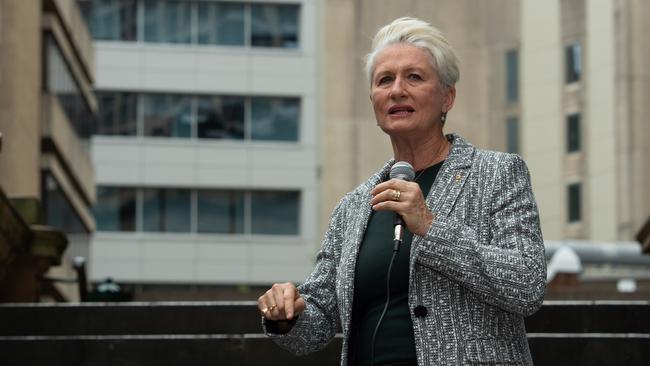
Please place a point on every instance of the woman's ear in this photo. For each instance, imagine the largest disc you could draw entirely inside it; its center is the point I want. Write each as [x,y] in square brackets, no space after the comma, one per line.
[449,98]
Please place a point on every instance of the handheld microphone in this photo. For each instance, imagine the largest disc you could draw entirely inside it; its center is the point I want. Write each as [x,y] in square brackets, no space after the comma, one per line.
[403,171]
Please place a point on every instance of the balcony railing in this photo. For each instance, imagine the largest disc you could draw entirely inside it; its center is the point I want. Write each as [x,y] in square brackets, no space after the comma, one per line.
[229,333]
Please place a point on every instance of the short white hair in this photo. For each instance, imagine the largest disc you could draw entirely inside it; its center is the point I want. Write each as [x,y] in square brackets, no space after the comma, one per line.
[420,34]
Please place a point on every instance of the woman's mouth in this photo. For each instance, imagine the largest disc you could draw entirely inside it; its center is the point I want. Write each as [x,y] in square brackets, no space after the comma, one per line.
[400,110]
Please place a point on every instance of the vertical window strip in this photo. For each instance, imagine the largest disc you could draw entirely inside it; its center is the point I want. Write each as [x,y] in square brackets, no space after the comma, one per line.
[512,135]
[573,60]
[574,203]
[573,132]
[512,76]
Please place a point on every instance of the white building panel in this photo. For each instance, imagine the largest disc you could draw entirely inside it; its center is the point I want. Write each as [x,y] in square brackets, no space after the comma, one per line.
[195,164]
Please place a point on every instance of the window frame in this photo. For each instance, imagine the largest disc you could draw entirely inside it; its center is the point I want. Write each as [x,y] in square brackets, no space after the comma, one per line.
[573,62]
[574,213]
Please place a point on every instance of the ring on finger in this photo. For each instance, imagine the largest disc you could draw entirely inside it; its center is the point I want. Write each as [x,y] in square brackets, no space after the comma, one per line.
[267,309]
[396,195]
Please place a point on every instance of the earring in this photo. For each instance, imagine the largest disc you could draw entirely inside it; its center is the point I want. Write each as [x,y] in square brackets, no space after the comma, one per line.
[443,117]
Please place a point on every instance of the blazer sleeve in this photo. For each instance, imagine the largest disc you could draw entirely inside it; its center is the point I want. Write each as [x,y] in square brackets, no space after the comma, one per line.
[316,326]
[506,266]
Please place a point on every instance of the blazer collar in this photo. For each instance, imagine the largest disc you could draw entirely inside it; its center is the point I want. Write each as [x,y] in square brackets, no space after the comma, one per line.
[460,156]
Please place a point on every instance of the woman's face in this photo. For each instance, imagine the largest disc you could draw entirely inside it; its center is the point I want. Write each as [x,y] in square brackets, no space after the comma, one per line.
[406,93]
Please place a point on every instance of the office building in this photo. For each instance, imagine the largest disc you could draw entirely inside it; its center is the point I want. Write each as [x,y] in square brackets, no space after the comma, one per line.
[207,147]
[562,83]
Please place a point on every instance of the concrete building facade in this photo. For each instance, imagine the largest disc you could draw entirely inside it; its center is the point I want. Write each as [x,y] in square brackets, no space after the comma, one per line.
[46,110]
[560,82]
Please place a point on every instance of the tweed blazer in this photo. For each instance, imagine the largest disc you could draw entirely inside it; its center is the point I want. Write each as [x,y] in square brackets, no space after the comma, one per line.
[477,272]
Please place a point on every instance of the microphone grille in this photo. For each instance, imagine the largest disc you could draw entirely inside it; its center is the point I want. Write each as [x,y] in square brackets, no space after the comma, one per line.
[402,170]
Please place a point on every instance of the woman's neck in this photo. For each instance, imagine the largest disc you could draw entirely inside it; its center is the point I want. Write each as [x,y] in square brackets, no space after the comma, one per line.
[422,154]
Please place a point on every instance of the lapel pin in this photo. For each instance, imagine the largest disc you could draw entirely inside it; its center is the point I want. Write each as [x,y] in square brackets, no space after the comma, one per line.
[458,176]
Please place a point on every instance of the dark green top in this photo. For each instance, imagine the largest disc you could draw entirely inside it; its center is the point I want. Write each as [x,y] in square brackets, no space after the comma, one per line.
[395,340]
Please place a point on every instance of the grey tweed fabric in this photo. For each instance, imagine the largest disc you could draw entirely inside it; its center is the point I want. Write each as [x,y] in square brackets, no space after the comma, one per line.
[478,271]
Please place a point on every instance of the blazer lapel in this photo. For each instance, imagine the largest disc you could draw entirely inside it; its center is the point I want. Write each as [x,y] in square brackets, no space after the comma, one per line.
[354,235]
[449,182]
[451,178]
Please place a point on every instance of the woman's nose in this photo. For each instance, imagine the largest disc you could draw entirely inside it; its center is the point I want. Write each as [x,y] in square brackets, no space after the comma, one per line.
[397,89]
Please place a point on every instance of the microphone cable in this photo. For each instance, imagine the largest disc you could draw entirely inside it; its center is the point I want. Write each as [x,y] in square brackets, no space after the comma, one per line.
[401,170]
[396,245]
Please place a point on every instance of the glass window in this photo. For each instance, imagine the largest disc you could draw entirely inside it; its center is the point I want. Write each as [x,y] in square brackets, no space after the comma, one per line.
[573,132]
[575,202]
[166,210]
[115,209]
[167,115]
[59,211]
[274,25]
[275,119]
[275,212]
[512,76]
[167,21]
[512,135]
[117,113]
[220,117]
[111,20]
[60,82]
[221,23]
[573,63]
[220,212]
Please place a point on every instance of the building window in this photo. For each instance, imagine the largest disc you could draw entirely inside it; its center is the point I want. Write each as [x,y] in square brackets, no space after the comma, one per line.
[512,76]
[512,135]
[220,212]
[274,25]
[166,210]
[167,21]
[274,212]
[221,23]
[205,211]
[220,117]
[574,202]
[115,209]
[59,211]
[573,133]
[117,114]
[275,119]
[167,115]
[216,117]
[59,81]
[111,20]
[573,63]
[224,23]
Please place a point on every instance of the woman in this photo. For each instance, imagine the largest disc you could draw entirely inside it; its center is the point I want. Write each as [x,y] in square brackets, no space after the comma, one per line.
[471,265]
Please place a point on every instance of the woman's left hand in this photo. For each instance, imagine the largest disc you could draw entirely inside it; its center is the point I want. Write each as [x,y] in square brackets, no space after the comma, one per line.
[411,204]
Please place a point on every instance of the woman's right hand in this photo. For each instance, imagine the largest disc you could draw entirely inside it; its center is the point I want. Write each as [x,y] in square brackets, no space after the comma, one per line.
[281,302]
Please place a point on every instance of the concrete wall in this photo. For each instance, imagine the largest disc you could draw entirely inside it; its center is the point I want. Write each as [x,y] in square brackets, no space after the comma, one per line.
[20,77]
[634,153]
[600,74]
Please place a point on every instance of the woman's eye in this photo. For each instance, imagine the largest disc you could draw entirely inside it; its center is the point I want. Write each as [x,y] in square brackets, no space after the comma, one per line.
[384,80]
[415,77]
